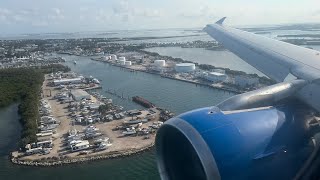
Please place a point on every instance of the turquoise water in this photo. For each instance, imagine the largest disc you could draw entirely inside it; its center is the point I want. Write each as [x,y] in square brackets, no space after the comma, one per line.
[174,95]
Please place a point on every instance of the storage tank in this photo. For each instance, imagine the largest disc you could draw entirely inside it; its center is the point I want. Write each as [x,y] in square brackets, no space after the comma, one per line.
[122,58]
[128,63]
[122,62]
[160,63]
[185,67]
[113,57]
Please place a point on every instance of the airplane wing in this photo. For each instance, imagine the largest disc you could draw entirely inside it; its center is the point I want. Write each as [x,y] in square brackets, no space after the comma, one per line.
[255,134]
[278,60]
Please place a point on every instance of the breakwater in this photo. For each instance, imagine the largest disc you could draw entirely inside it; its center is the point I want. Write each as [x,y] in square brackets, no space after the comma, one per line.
[59,161]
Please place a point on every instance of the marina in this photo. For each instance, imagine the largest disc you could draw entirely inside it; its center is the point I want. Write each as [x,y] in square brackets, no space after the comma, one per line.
[114,78]
[93,127]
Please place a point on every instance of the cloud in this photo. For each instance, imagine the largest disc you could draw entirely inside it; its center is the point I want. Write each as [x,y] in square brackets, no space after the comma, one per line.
[55,15]
[121,7]
[147,12]
[202,12]
[316,13]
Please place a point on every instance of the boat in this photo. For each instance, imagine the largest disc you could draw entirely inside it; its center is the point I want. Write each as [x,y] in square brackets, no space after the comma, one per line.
[145,103]
[74,62]
[91,129]
[96,81]
[103,146]
[80,146]
[129,131]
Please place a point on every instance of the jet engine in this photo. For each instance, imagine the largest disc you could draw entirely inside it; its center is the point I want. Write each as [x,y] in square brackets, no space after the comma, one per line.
[237,141]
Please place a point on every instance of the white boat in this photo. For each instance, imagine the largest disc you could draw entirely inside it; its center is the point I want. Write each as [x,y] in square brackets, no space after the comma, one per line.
[91,129]
[129,131]
[80,146]
[94,80]
[74,62]
[103,146]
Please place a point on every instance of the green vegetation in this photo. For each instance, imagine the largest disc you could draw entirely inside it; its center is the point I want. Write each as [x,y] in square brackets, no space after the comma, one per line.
[24,85]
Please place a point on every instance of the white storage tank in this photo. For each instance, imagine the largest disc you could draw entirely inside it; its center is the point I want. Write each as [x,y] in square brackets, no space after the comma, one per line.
[128,63]
[122,58]
[113,57]
[160,63]
[185,67]
[122,62]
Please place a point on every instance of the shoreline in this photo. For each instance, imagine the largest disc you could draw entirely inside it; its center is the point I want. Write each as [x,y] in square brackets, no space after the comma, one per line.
[79,160]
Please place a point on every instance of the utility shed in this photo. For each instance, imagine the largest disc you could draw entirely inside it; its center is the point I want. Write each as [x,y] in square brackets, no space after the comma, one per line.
[79,94]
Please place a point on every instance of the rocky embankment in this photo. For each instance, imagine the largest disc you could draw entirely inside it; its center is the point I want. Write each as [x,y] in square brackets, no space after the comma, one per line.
[63,160]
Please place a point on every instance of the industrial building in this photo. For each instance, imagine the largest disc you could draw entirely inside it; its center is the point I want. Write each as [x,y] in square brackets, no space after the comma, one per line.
[58,82]
[185,67]
[122,62]
[160,63]
[128,63]
[113,57]
[122,58]
[79,94]
[216,77]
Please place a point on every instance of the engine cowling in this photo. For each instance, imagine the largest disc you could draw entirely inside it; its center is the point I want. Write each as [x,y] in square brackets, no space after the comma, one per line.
[261,143]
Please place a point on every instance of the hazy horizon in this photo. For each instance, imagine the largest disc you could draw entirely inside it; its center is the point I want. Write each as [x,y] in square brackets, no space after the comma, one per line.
[47,16]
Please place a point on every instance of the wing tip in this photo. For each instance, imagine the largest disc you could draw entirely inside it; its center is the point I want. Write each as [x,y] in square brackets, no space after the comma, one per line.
[221,20]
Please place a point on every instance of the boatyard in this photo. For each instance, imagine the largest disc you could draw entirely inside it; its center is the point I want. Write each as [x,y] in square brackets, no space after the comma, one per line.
[77,125]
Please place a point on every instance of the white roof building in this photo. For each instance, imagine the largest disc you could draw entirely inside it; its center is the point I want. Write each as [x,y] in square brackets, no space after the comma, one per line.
[67,81]
[79,94]
[216,77]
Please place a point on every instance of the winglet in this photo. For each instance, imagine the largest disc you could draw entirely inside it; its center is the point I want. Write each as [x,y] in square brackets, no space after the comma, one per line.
[221,20]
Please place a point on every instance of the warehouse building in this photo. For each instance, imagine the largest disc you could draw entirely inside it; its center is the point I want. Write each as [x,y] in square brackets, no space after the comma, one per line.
[58,82]
[185,67]
[79,94]
[216,77]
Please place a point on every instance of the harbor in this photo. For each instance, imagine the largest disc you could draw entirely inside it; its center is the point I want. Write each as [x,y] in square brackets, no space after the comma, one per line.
[130,84]
[77,126]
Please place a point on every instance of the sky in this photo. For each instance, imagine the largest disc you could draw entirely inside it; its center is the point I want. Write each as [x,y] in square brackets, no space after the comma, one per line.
[48,16]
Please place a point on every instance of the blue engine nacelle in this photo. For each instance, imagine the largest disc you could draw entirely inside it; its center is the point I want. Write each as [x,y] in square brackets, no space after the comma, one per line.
[260,143]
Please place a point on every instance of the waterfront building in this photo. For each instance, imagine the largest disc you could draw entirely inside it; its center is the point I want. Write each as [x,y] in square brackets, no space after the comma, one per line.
[122,62]
[58,82]
[79,94]
[215,77]
[185,67]
[128,63]
[122,58]
[160,63]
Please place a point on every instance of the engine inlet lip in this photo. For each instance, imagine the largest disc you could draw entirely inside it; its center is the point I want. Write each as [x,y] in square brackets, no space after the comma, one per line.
[200,146]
